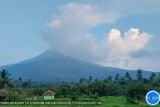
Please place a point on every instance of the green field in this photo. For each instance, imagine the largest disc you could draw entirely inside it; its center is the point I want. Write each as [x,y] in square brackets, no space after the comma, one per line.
[106,102]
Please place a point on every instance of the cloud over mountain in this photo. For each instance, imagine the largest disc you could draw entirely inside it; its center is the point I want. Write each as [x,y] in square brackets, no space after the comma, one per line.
[68,33]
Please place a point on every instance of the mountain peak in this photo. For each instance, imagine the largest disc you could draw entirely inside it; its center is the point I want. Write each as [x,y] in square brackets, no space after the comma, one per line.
[51,65]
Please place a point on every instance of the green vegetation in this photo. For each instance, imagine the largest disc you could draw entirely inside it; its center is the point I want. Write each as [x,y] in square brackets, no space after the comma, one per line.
[113,92]
[108,101]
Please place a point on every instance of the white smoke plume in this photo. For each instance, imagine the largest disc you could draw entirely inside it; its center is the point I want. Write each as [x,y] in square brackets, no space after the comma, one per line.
[68,34]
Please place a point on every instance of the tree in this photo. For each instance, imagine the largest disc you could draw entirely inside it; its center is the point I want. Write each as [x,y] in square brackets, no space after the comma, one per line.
[136,92]
[117,78]
[128,76]
[90,78]
[139,75]
[5,79]
[83,81]
[27,84]
[122,81]
[38,91]
[109,79]
[64,90]
[96,80]
[19,82]
[158,78]
[152,77]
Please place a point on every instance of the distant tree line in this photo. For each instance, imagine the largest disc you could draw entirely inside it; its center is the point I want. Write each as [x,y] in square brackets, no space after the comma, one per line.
[134,89]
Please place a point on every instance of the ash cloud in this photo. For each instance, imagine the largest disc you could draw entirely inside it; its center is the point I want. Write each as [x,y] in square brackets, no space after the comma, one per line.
[68,34]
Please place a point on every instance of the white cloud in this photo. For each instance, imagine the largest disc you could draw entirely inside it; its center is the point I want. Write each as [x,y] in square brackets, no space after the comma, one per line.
[68,30]
[68,34]
[120,47]
[132,40]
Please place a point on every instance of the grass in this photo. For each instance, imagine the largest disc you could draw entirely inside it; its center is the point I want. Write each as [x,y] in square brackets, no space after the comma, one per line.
[106,102]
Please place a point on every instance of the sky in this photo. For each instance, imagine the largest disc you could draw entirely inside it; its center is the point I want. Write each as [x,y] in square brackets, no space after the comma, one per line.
[116,33]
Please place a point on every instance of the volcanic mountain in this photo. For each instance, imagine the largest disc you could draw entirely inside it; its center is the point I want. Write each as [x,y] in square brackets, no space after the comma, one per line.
[53,66]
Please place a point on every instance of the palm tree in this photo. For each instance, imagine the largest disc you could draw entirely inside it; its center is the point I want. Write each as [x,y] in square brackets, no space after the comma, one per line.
[139,75]
[4,79]
[117,78]
[109,79]
[128,76]
[152,77]
[90,79]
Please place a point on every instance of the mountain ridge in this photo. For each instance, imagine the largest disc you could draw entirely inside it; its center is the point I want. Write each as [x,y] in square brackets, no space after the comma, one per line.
[50,66]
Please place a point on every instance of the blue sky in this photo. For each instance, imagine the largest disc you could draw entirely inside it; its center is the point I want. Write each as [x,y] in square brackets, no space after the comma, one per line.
[22,24]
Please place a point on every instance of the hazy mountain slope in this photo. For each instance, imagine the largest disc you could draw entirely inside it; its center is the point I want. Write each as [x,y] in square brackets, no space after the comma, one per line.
[52,66]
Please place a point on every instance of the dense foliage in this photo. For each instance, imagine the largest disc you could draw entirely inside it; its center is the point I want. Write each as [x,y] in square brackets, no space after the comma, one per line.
[134,89]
